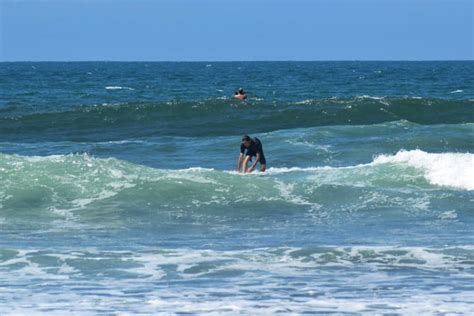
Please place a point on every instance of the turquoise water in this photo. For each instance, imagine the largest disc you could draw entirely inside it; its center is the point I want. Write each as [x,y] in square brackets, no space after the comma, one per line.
[118,193]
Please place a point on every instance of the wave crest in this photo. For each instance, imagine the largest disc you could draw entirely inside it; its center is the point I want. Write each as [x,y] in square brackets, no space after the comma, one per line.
[74,182]
[216,117]
[445,169]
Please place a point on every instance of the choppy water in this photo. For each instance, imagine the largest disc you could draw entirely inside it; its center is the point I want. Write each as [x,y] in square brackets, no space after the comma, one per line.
[118,195]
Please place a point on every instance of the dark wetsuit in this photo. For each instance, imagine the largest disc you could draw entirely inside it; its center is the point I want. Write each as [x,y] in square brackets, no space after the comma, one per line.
[254,148]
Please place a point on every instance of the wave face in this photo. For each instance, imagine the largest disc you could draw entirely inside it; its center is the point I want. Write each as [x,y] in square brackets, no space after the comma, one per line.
[118,188]
[81,185]
[215,117]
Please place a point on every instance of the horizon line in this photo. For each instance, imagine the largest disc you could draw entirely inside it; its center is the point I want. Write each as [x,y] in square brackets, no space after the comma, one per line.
[235,61]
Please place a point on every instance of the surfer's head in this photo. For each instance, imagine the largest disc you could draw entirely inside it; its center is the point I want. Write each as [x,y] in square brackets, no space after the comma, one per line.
[241,91]
[246,140]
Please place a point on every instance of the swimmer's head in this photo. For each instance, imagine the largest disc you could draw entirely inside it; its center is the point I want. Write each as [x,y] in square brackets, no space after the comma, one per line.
[241,91]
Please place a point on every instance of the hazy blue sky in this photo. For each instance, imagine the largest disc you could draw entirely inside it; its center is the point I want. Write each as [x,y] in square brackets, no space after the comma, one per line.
[236,30]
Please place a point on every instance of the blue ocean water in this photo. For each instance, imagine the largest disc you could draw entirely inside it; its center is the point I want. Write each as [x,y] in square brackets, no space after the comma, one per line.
[118,193]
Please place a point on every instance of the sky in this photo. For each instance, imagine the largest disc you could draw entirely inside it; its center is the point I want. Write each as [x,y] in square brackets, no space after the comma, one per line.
[229,30]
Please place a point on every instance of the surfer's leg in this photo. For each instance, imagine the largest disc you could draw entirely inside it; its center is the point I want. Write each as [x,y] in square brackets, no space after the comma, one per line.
[263,163]
[245,164]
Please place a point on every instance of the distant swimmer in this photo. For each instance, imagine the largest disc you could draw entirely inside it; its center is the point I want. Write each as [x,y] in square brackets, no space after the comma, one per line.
[240,94]
[251,147]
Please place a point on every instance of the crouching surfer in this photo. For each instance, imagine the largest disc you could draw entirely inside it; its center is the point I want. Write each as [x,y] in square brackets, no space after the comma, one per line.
[251,147]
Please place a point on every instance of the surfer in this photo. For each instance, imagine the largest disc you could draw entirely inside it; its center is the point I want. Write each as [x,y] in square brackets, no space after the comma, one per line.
[240,94]
[251,147]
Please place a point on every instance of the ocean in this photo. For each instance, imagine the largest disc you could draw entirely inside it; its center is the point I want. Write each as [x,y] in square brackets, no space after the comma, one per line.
[119,195]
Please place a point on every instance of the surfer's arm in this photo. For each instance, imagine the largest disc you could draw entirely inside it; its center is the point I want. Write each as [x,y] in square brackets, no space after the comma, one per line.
[257,159]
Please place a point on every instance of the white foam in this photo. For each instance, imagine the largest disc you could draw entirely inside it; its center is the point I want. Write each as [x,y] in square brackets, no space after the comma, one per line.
[280,170]
[449,215]
[445,169]
[193,174]
[369,97]
[118,88]
[80,203]
[309,144]
[120,142]
[308,101]
[286,191]
[66,269]
[456,91]
[380,99]
[293,280]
